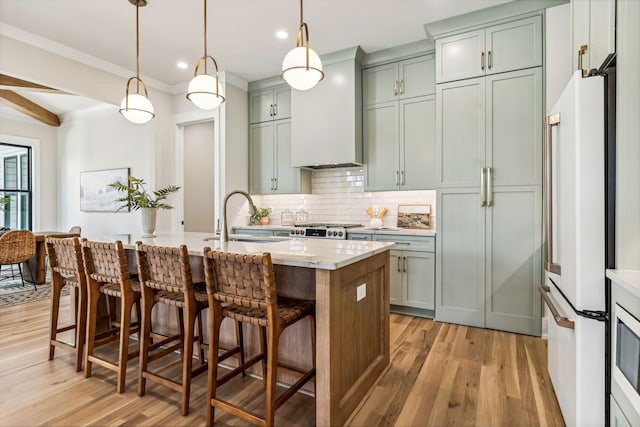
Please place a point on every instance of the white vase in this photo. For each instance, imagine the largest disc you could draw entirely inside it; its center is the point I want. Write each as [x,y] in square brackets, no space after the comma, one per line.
[149,221]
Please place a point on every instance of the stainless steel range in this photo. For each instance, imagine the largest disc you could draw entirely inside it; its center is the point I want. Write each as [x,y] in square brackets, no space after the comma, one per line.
[322,230]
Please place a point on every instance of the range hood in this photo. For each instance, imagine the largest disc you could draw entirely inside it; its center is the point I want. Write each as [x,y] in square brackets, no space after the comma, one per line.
[326,121]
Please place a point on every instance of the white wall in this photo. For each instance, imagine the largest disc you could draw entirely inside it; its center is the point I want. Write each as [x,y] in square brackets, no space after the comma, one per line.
[42,139]
[95,140]
[628,135]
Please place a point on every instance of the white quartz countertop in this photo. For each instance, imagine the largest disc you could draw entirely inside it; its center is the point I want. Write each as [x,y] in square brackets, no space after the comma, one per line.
[363,229]
[312,253]
[629,279]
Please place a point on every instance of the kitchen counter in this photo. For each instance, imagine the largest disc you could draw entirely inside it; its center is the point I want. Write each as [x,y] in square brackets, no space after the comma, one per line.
[363,229]
[352,327]
[628,279]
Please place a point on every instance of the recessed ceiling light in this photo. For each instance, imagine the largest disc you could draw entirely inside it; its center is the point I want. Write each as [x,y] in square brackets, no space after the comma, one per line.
[182,65]
[281,34]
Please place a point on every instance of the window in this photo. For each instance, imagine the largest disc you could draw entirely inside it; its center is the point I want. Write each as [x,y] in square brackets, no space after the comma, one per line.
[15,186]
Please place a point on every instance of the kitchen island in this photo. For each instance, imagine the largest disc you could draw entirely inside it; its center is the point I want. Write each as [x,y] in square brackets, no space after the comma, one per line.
[352,332]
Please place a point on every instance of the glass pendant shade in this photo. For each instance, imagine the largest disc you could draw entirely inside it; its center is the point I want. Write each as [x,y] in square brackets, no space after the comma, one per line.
[295,71]
[138,109]
[202,92]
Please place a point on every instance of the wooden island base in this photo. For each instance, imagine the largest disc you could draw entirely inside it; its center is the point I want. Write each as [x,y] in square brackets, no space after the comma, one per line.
[352,337]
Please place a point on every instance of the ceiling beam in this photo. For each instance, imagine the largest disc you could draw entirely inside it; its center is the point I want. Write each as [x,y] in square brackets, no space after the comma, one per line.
[16,82]
[28,107]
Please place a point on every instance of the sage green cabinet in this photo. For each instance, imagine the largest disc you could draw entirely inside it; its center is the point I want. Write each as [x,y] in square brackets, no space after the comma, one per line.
[398,80]
[497,49]
[502,116]
[270,170]
[489,258]
[594,26]
[412,271]
[270,104]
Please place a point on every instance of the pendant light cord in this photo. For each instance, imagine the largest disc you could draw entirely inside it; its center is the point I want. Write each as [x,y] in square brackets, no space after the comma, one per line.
[137,49]
[301,20]
[205,36]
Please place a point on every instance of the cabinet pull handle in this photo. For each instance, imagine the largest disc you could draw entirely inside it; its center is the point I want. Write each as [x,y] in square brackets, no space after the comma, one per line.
[275,110]
[399,259]
[271,110]
[403,243]
[401,177]
[402,87]
[581,52]
[397,181]
[404,264]
[489,60]
[489,188]
[395,87]
[483,195]
[275,181]
[482,61]
[549,265]
[271,184]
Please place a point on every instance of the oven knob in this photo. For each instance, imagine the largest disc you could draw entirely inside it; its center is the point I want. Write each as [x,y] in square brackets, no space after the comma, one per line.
[330,233]
[340,233]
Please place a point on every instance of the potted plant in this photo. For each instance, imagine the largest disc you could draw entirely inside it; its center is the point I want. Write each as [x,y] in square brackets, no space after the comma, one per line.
[138,197]
[261,216]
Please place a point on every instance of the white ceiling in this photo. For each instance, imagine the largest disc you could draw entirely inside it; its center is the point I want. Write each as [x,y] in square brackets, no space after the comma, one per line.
[241,33]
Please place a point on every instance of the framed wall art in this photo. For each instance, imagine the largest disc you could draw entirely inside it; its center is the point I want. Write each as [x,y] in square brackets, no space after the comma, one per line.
[414,216]
[95,195]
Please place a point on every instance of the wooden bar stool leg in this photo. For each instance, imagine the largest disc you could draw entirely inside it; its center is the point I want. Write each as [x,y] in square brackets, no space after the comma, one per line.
[187,361]
[145,340]
[92,308]
[240,341]
[180,320]
[200,338]
[123,352]
[264,351]
[55,308]
[215,320]
[272,366]
[81,326]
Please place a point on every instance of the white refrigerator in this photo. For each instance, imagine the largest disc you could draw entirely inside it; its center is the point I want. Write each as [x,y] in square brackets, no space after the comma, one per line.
[574,289]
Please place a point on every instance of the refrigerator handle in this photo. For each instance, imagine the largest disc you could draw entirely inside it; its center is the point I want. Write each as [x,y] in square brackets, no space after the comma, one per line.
[483,194]
[549,265]
[560,321]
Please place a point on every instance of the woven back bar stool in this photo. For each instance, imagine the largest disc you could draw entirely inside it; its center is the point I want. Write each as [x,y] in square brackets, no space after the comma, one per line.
[165,277]
[65,260]
[243,287]
[107,272]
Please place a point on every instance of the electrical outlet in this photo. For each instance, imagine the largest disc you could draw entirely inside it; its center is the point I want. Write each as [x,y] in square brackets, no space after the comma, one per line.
[361,292]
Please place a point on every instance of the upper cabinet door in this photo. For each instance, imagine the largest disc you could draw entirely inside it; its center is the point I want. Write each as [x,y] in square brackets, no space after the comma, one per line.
[460,57]
[261,158]
[261,106]
[418,143]
[287,177]
[380,84]
[416,77]
[282,102]
[460,133]
[514,45]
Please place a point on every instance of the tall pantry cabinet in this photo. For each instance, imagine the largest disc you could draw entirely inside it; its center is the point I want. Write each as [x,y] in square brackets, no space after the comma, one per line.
[489,173]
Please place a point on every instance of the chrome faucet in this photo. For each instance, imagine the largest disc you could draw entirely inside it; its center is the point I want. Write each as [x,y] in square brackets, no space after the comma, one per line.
[252,206]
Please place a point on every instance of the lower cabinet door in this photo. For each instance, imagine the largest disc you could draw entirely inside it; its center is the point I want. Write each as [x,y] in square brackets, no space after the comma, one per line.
[419,271]
[460,263]
[395,287]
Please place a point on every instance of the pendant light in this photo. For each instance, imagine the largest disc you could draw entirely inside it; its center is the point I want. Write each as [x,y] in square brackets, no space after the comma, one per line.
[136,107]
[205,91]
[301,68]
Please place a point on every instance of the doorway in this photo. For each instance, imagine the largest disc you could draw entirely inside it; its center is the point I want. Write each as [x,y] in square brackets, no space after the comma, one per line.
[199,175]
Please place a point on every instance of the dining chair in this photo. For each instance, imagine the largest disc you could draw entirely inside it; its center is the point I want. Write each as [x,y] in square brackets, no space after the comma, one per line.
[107,272]
[243,287]
[67,269]
[17,247]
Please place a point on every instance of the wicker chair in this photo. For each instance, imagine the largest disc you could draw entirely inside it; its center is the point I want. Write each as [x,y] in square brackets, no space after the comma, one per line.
[165,277]
[65,260]
[246,285]
[16,247]
[107,271]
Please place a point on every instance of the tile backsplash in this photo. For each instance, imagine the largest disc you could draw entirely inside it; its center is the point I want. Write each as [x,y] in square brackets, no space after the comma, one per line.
[338,196]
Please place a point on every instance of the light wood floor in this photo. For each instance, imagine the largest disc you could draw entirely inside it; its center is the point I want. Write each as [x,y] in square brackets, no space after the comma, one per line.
[440,374]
